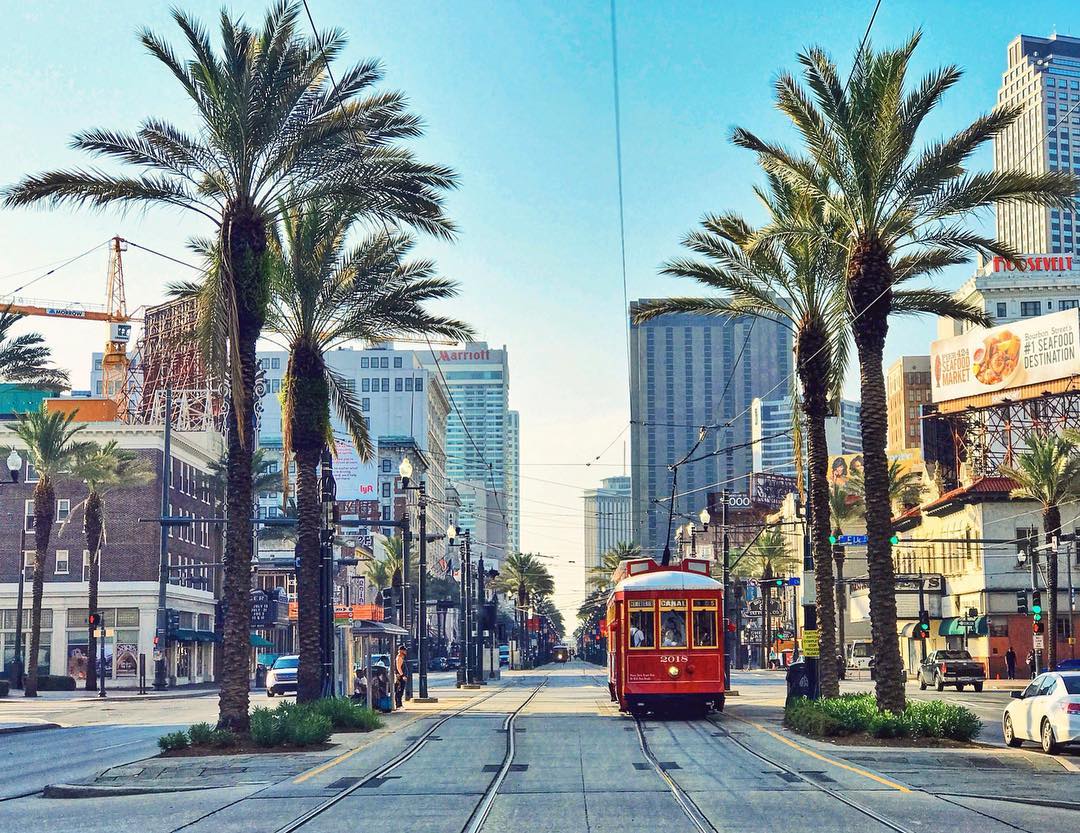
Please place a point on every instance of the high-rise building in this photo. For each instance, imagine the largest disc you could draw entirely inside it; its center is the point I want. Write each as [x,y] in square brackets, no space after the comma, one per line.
[478,378]
[406,408]
[688,372]
[513,478]
[771,433]
[1042,77]
[607,518]
[907,388]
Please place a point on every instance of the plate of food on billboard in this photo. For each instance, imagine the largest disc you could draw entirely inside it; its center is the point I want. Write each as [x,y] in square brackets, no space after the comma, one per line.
[1038,349]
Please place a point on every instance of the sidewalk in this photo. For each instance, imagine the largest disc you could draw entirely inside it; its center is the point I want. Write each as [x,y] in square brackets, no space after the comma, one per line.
[115,695]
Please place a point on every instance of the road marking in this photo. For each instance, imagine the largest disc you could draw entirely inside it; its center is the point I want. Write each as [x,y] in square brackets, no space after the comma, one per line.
[851,768]
[125,743]
[321,768]
[1065,762]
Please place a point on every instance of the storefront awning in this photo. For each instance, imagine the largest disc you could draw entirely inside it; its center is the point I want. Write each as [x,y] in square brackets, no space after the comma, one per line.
[192,635]
[908,629]
[956,626]
[366,627]
[260,642]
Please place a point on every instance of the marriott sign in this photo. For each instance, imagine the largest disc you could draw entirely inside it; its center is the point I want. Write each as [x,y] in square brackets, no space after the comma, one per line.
[1034,263]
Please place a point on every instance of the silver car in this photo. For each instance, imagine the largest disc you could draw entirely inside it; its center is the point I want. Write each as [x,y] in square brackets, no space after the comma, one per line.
[282,675]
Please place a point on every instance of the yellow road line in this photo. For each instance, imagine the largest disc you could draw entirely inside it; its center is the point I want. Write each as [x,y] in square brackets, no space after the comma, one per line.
[321,768]
[805,749]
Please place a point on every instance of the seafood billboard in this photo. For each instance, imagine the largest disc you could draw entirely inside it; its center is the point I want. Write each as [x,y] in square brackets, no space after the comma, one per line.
[1025,352]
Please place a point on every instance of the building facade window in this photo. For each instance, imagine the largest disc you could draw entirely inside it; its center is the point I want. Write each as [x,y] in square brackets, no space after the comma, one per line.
[63,509]
[1002,310]
[1030,308]
[61,562]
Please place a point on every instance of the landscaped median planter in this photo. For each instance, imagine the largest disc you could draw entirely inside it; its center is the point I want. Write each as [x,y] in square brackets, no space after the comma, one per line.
[856,719]
[290,727]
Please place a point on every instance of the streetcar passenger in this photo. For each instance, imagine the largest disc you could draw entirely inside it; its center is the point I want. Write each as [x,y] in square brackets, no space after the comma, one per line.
[673,634]
[637,638]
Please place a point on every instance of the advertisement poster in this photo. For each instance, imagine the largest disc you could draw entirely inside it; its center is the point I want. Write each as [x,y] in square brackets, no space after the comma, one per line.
[769,490]
[1038,349]
[127,659]
[842,467]
[355,479]
[76,663]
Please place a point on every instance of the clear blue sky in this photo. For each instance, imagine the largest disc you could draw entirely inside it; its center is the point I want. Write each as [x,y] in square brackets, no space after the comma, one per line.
[517,97]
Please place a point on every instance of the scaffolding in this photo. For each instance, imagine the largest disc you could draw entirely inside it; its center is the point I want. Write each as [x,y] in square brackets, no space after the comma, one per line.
[168,355]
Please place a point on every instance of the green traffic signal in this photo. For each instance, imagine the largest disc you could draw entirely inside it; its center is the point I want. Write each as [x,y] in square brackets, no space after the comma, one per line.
[1038,617]
[1036,609]
[894,540]
[832,540]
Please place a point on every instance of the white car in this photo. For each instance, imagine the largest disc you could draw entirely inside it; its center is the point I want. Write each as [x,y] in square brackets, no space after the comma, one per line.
[1047,711]
[281,678]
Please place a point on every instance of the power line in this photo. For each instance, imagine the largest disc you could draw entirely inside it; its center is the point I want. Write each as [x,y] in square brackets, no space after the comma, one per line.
[56,269]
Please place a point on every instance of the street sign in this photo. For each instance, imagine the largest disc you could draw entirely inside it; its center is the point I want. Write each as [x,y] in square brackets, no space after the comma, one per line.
[738,501]
[810,643]
[852,539]
[98,633]
[1037,640]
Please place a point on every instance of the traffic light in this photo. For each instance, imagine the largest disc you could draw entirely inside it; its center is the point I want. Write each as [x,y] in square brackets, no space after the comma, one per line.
[95,619]
[1021,601]
[895,539]
[1037,623]
[923,629]
[1038,626]
[832,540]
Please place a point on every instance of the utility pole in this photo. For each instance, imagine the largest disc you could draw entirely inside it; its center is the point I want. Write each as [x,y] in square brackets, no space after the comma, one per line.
[922,607]
[463,625]
[1034,552]
[466,602]
[480,621]
[1069,550]
[421,588]
[838,556]
[726,617]
[160,681]
[329,496]
[19,606]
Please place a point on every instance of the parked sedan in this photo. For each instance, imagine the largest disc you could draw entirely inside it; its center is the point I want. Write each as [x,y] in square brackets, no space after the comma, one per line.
[1047,712]
[282,675]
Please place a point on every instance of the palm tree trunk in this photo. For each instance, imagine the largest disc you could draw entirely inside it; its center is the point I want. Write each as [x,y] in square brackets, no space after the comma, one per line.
[1051,528]
[308,522]
[812,363]
[44,501]
[92,514]
[243,236]
[869,297]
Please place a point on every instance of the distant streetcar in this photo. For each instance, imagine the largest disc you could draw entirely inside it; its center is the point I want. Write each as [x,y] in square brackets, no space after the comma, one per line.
[665,638]
[560,653]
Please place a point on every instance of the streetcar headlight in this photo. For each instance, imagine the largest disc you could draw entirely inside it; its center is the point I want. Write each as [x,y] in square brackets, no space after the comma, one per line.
[673,670]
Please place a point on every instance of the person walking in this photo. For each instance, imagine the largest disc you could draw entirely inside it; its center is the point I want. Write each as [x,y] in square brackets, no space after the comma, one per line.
[1031,663]
[1010,663]
[401,672]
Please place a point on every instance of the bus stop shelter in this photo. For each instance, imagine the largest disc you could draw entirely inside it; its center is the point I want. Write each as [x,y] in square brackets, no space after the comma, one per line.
[371,639]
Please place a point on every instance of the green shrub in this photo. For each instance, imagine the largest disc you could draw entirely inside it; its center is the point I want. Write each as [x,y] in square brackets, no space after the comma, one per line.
[266,730]
[346,714]
[5,687]
[204,734]
[55,682]
[852,713]
[305,728]
[173,741]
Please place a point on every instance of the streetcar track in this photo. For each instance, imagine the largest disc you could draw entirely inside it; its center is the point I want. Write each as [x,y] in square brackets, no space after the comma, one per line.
[480,813]
[682,798]
[405,755]
[866,811]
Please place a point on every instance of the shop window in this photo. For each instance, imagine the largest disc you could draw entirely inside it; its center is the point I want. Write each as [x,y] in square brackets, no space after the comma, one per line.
[642,630]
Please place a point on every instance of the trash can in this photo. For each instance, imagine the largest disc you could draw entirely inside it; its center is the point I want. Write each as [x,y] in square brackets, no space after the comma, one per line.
[260,676]
[800,682]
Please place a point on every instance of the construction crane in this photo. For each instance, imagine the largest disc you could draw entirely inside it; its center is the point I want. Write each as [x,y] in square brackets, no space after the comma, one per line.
[115,364]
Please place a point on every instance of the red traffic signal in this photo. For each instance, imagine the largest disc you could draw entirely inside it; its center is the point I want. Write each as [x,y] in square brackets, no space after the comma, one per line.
[731,627]
[95,620]
[1038,627]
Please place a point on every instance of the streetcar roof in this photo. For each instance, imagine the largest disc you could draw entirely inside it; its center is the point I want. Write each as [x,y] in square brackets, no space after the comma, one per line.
[668,580]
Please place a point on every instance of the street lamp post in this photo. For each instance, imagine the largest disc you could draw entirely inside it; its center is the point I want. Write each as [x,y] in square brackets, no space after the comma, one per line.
[480,620]
[14,464]
[328,490]
[406,472]
[161,642]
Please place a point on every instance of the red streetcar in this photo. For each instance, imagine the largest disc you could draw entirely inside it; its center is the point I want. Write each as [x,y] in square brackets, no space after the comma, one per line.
[665,644]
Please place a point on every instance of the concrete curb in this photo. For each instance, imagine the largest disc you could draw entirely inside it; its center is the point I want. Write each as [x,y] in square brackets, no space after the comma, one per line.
[126,698]
[98,791]
[1036,802]
[28,727]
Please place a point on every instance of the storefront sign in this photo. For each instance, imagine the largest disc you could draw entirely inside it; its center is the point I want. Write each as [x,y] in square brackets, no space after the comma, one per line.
[810,643]
[1038,349]
[1034,263]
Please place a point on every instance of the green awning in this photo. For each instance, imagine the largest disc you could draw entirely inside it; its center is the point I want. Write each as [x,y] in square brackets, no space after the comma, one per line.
[957,626]
[184,635]
[260,642]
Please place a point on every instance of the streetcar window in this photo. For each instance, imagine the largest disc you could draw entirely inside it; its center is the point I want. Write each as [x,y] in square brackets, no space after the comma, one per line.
[672,624]
[641,633]
[704,624]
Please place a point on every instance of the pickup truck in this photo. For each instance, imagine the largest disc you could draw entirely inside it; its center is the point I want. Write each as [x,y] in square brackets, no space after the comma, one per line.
[953,667]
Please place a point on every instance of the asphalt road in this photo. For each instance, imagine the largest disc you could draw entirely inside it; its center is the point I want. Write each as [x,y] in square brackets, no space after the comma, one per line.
[578,765]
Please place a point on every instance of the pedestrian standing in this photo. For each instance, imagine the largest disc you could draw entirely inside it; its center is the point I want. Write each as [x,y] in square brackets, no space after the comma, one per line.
[401,670]
[1031,663]
[1010,663]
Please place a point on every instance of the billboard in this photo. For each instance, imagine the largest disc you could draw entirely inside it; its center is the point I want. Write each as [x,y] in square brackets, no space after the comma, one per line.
[769,490]
[1026,352]
[842,467]
[355,479]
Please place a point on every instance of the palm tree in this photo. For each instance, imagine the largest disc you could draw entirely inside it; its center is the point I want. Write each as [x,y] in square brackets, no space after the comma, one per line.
[795,282]
[899,212]
[103,468]
[1048,473]
[273,131]
[768,553]
[25,359]
[523,577]
[905,487]
[845,504]
[325,293]
[599,577]
[49,438]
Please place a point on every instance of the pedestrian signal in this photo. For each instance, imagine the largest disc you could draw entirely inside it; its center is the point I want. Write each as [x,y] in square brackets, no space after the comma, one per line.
[95,620]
